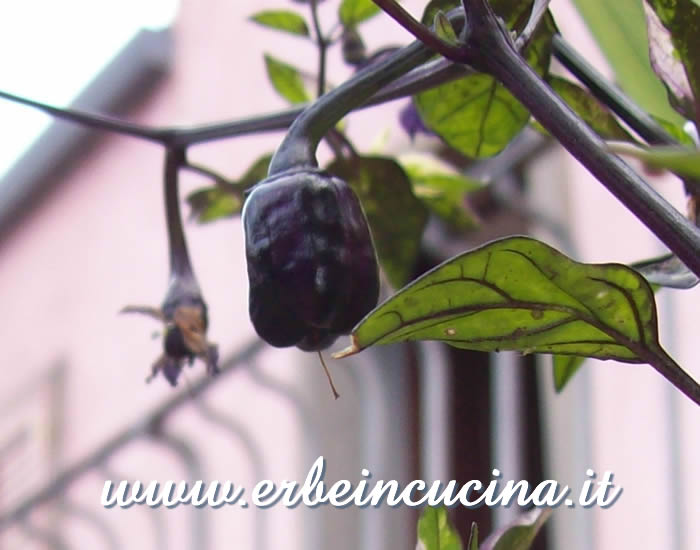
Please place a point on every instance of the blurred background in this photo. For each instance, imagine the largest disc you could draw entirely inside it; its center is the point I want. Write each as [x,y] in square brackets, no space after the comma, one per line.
[82,234]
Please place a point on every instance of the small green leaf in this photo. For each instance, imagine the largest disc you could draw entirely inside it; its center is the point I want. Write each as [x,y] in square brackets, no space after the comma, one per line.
[286,80]
[477,115]
[680,160]
[564,367]
[352,12]
[443,28]
[520,533]
[443,192]
[520,294]
[435,531]
[592,111]
[225,200]
[213,203]
[396,217]
[282,20]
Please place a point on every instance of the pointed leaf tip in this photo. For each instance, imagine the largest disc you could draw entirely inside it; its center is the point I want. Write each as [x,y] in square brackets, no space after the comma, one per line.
[352,349]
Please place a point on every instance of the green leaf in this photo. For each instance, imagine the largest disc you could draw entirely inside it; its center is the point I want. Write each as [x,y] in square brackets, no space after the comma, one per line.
[443,192]
[564,367]
[396,217]
[213,203]
[682,19]
[435,531]
[520,533]
[680,160]
[520,294]
[352,12]
[443,28]
[477,115]
[619,28]
[225,200]
[286,80]
[282,20]
[592,111]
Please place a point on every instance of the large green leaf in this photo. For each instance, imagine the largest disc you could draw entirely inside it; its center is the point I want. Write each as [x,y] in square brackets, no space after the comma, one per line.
[475,114]
[435,531]
[682,19]
[592,111]
[286,80]
[680,160]
[520,294]
[520,533]
[396,217]
[620,30]
[282,20]
[225,200]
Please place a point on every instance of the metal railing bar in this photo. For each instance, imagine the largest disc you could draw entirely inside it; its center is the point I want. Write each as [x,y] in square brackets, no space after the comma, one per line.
[127,435]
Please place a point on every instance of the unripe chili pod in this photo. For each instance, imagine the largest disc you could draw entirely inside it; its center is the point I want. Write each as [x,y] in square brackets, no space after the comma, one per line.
[312,268]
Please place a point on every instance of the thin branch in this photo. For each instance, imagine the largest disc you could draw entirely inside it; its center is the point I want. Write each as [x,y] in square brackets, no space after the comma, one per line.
[420,31]
[100,122]
[322,48]
[621,104]
[539,9]
[207,172]
[180,265]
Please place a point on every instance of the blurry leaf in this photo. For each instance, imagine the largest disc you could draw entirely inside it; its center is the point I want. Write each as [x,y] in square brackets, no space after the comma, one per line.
[435,531]
[257,172]
[675,131]
[434,6]
[667,65]
[667,271]
[473,543]
[396,217]
[282,20]
[352,12]
[443,28]
[476,115]
[519,534]
[619,28]
[680,160]
[286,80]
[443,192]
[682,19]
[592,111]
[226,200]
[520,294]
[213,203]
[564,367]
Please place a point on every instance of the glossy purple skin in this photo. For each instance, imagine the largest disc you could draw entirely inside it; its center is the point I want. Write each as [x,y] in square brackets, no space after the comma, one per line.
[312,268]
